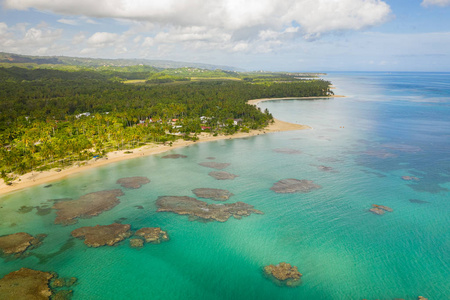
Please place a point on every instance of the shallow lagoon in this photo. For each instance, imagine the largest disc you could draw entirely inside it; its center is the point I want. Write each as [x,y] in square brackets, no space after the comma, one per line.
[390,126]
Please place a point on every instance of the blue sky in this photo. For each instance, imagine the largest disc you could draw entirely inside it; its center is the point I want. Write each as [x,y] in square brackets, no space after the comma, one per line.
[289,35]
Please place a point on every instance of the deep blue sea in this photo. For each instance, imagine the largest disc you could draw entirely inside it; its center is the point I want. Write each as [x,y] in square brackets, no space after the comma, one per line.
[390,125]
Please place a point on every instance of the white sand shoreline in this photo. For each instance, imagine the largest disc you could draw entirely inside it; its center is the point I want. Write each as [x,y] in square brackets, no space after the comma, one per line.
[38,178]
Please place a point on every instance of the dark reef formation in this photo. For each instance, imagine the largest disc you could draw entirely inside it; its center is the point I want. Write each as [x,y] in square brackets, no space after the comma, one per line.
[292,185]
[184,205]
[86,206]
[26,284]
[402,147]
[109,235]
[214,165]
[287,151]
[34,285]
[63,282]
[284,274]
[174,156]
[418,201]
[133,182]
[383,154]
[40,210]
[99,235]
[25,209]
[214,194]
[326,169]
[222,175]
[18,243]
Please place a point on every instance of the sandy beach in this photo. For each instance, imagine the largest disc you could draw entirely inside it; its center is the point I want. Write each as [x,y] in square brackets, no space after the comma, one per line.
[38,178]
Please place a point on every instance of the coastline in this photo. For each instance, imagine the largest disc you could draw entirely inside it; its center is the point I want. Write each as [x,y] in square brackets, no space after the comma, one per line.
[256,101]
[37,178]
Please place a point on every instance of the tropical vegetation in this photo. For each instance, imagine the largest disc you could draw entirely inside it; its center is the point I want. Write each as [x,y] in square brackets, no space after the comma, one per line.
[53,117]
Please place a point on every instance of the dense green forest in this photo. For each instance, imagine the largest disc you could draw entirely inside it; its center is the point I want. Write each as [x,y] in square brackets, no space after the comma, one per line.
[9,59]
[52,118]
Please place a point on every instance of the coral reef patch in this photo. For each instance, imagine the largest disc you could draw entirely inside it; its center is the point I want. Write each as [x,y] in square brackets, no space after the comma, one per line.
[284,274]
[292,185]
[222,175]
[214,165]
[214,194]
[184,205]
[102,235]
[133,182]
[86,206]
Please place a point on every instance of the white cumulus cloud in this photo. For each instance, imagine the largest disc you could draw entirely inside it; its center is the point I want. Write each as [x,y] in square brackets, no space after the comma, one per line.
[314,17]
[102,39]
[427,3]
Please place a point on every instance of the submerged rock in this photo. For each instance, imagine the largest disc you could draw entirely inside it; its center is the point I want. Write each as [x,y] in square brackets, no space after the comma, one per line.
[174,156]
[26,284]
[35,285]
[222,175]
[410,178]
[214,194]
[152,234]
[285,273]
[62,295]
[380,154]
[63,282]
[17,243]
[120,220]
[210,157]
[292,185]
[402,147]
[136,243]
[42,211]
[184,205]
[377,211]
[328,159]
[214,165]
[326,169]
[103,235]
[421,298]
[133,182]
[287,151]
[380,209]
[86,206]
[386,208]
[25,209]
[418,201]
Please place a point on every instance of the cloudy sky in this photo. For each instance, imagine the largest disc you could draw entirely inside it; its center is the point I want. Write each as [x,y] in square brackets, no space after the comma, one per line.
[281,35]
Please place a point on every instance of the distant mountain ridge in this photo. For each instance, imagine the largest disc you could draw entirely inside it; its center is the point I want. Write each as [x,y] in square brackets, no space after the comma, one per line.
[102,62]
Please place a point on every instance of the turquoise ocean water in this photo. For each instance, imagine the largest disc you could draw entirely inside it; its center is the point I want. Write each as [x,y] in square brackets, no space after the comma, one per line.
[388,126]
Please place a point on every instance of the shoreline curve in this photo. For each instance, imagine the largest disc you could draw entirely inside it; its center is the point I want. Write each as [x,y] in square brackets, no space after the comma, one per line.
[37,178]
